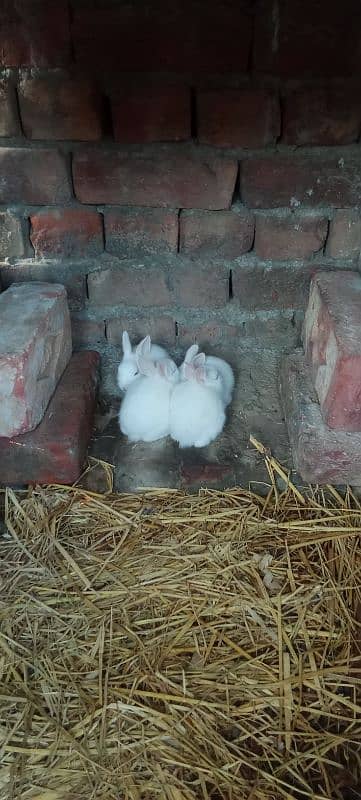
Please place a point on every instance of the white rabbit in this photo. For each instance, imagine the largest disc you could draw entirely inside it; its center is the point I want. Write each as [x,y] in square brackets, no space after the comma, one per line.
[197,405]
[144,411]
[222,367]
[128,368]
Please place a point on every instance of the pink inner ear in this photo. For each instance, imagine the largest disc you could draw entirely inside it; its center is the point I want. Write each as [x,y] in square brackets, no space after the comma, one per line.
[146,366]
[162,368]
[191,352]
[188,371]
[199,360]
[200,374]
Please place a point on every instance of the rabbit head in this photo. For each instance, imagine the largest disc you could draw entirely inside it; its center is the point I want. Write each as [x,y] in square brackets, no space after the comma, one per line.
[163,368]
[128,369]
[204,375]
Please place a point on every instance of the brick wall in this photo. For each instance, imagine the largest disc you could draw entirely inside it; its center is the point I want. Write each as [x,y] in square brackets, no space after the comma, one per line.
[182,167]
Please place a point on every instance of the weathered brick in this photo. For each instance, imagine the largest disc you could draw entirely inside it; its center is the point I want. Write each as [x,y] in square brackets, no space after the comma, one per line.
[56,450]
[142,231]
[197,37]
[34,34]
[200,288]
[160,329]
[320,454]
[87,332]
[196,473]
[28,270]
[11,236]
[344,239]
[32,176]
[221,234]
[9,119]
[128,285]
[269,330]
[176,180]
[67,232]
[284,181]
[59,108]
[291,236]
[35,347]
[332,341]
[151,114]
[307,39]
[259,288]
[208,334]
[238,117]
[321,116]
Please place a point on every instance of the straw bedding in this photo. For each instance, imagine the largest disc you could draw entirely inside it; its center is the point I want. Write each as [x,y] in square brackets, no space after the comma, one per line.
[161,645]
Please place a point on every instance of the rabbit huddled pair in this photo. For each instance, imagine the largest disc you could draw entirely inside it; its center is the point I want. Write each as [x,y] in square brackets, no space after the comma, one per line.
[187,403]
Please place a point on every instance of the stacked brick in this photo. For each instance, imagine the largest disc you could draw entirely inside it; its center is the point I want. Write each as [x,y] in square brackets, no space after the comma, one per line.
[321,385]
[205,165]
[47,396]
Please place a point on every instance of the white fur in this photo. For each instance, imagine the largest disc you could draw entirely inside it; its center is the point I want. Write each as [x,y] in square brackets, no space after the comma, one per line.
[128,368]
[197,413]
[144,411]
[223,368]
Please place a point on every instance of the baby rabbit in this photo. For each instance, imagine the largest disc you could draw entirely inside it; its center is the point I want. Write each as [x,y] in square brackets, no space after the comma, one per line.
[144,411]
[222,367]
[197,404]
[128,369]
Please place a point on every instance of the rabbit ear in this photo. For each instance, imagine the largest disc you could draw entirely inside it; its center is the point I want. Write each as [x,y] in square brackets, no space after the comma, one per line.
[191,352]
[166,368]
[188,371]
[127,347]
[199,360]
[146,366]
[200,374]
[143,348]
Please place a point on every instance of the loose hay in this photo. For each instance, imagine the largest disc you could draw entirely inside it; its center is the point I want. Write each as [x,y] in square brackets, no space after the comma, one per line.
[171,646]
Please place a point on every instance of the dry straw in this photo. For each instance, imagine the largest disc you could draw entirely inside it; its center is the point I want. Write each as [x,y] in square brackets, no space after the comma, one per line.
[162,645]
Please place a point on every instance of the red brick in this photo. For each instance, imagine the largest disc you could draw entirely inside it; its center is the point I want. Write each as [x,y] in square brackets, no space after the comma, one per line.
[9,119]
[134,287]
[284,181]
[197,474]
[221,234]
[182,36]
[60,108]
[320,454]
[141,231]
[32,176]
[259,288]
[34,34]
[87,332]
[56,450]
[28,270]
[160,329]
[207,335]
[35,347]
[344,240]
[332,340]
[66,232]
[151,114]
[200,288]
[176,180]
[304,38]
[291,236]
[238,117]
[321,116]
[11,236]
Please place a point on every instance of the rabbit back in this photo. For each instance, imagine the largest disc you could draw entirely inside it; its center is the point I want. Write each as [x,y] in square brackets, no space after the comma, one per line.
[144,411]
[197,415]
